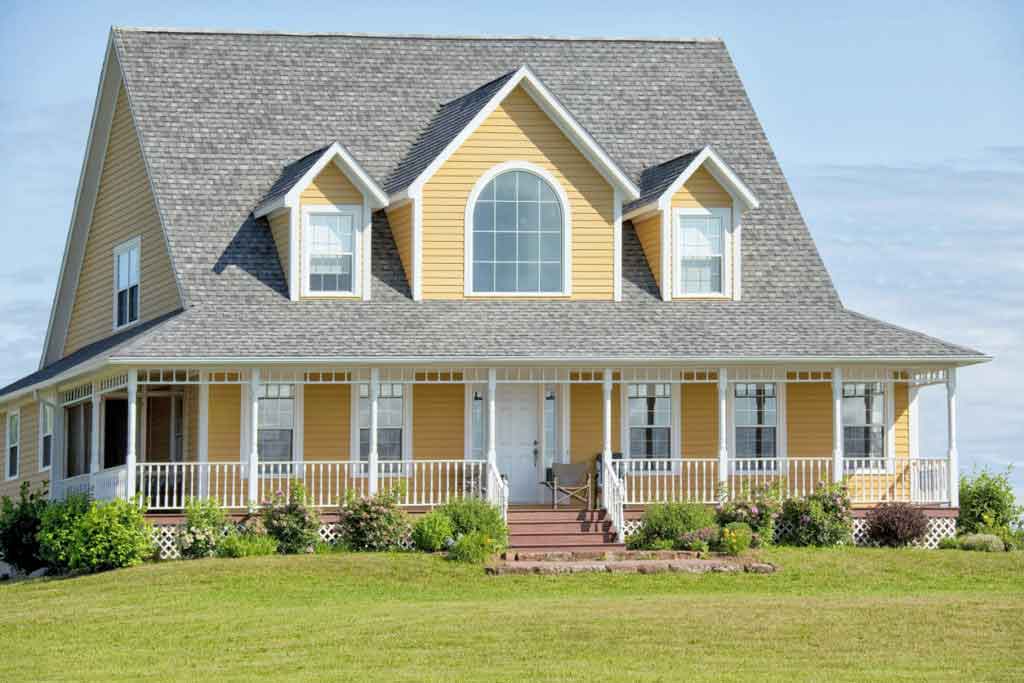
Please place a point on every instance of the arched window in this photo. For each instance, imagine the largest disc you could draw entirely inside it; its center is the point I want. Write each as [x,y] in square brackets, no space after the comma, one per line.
[518,243]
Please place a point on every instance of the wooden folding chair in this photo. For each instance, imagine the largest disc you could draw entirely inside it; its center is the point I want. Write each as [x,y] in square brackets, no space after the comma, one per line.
[570,482]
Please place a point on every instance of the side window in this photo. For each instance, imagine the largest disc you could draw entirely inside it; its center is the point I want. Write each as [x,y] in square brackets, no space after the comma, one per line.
[126,283]
[13,445]
[45,435]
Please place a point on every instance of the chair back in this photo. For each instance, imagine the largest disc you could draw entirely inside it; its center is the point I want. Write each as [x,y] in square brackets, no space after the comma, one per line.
[571,475]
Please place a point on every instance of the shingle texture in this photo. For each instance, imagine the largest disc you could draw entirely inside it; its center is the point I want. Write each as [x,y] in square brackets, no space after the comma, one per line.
[656,179]
[290,175]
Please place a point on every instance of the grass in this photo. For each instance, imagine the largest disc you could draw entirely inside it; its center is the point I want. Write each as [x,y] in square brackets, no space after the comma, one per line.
[836,615]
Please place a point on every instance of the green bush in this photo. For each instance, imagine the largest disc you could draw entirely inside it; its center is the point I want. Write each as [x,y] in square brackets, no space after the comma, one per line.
[111,535]
[19,528]
[668,522]
[373,523]
[986,500]
[246,544]
[203,530]
[700,540]
[291,522]
[475,547]
[58,530]
[949,543]
[982,542]
[471,514]
[735,538]
[820,519]
[758,508]
[433,531]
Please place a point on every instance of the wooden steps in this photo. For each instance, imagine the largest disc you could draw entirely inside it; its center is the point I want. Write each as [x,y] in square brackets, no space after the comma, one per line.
[548,530]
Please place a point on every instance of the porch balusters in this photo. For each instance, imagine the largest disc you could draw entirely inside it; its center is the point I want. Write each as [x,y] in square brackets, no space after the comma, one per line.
[837,425]
[952,455]
[373,455]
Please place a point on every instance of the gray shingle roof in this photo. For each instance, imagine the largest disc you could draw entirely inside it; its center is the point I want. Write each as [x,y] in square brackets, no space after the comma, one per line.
[291,174]
[656,179]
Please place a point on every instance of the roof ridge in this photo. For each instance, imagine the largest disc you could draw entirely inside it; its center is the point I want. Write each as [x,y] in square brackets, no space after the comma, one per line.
[422,36]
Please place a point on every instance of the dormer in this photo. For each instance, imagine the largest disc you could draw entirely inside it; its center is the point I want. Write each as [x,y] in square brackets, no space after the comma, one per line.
[320,213]
[689,221]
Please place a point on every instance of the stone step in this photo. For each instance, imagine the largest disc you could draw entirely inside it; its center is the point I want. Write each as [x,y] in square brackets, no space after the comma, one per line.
[595,548]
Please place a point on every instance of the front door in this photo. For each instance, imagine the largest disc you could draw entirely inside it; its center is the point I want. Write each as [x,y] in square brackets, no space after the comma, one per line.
[517,439]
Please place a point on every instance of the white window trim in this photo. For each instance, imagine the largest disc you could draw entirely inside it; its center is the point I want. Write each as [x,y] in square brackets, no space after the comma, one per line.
[781,438]
[481,183]
[42,435]
[889,440]
[730,246]
[8,444]
[127,245]
[676,425]
[358,247]
[407,391]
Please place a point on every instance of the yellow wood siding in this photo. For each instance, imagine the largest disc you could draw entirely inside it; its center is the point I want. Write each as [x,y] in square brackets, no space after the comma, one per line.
[327,423]
[809,420]
[901,420]
[330,187]
[701,190]
[280,231]
[400,220]
[586,415]
[518,130]
[649,233]
[700,421]
[225,423]
[124,209]
[438,421]
[28,453]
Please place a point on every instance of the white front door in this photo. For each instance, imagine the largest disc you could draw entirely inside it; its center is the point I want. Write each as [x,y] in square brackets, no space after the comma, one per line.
[518,440]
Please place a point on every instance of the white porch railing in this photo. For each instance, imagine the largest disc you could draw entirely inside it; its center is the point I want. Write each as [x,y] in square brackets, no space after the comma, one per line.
[166,486]
[929,480]
[497,490]
[613,497]
[794,477]
[326,482]
[111,483]
[81,484]
[664,480]
[433,482]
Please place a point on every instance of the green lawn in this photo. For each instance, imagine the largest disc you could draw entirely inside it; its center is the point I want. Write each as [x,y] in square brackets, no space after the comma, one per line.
[833,615]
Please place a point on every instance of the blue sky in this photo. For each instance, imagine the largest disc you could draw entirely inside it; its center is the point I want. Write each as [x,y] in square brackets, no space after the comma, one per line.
[898,126]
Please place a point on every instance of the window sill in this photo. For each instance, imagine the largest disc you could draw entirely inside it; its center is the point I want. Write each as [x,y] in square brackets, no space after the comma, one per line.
[118,328]
[518,295]
[701,297]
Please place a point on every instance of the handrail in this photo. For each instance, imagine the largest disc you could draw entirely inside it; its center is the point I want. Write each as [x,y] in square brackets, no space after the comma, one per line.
[497,490]
[613,497]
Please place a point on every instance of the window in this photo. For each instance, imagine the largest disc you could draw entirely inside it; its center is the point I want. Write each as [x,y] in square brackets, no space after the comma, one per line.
[13,443]
[701,251]
[650,420]
[756,418]
[126,283]
[78,436]
[46,413]
[863,425]
[518,237]
[330,250]
[390,420]
[276,423]
[478,416]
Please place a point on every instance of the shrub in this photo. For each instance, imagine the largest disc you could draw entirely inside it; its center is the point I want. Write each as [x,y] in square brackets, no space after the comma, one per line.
[1013,539]
[820,519]
[982,542]
[291,522]
[758,508]
[203,529]
[19,527]
[896,524]
[58,528]
[433,531]
[373,522]
[949,543]
[986,500]
[700,540]
[475,547]
[471,514]
[246,544]
[669,521]
[111,535]
[735,538]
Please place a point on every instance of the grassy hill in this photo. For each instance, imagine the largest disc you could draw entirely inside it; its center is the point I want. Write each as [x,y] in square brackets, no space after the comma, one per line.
[851,614]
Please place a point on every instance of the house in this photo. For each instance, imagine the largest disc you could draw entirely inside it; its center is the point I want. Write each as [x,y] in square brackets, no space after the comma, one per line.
[444,264]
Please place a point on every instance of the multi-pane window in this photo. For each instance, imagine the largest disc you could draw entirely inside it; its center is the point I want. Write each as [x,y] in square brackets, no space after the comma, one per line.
[518,236]
[13,444]
[863,424]
[276,422]
[331,245]
[650,420]
[756,418]
[46,435]
[701,253]
[390,412]
[478,412]
[126,273]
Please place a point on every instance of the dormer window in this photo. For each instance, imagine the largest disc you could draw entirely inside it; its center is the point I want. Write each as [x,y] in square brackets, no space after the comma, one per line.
[702,246]
[519,235]
[126,283]
[330,245]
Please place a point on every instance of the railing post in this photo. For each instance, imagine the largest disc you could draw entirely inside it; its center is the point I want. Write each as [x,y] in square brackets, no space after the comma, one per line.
[130,452]
[952,455]
[372,457]
[254,436]
[492,387]
[723,427]
[94,442]
[203,437]
[606,423]
[837,425]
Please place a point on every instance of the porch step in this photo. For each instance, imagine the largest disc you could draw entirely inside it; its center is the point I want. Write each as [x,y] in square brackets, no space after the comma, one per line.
[550,530]
[558,527]
[560,540]
[550,515]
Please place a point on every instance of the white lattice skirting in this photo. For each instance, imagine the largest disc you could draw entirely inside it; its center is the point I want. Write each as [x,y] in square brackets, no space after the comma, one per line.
[938,529]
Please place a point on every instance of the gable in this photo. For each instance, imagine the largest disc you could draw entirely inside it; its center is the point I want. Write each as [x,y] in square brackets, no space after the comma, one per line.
[518,130]
[331,187]
[124,209]
[701,190]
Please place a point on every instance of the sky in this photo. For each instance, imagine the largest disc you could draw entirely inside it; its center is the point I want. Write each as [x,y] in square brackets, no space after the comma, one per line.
[898,126]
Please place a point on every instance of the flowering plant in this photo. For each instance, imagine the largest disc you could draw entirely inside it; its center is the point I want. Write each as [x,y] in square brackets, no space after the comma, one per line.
[758,507]
[373,522]
[203,530]
[700,540]
[820,519]
[291,521]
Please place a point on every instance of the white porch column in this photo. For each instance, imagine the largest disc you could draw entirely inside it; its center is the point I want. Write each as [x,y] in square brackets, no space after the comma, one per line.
[94,443]
[374,405]
[492,390]
[254,436]
[723,426]
[130,454]
[59,459]
[606,423]
[952,454]
[837,425]
[203,437]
